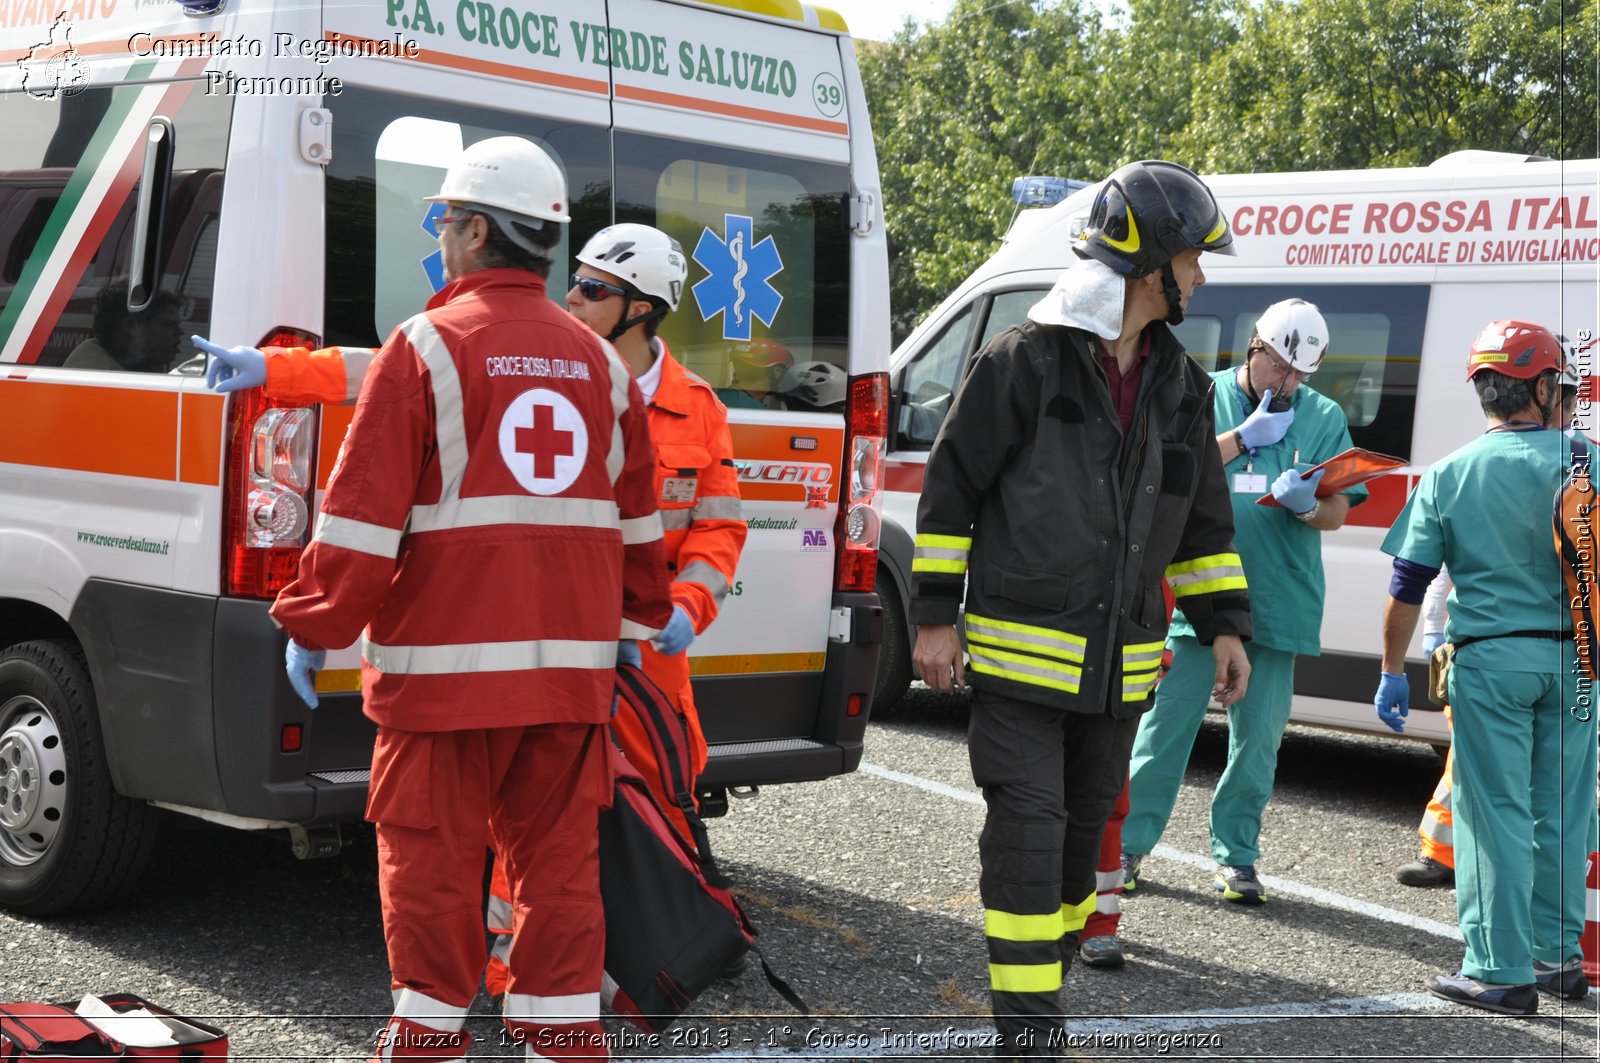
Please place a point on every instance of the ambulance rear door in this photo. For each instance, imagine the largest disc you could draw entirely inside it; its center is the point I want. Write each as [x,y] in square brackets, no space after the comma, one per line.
[733,133]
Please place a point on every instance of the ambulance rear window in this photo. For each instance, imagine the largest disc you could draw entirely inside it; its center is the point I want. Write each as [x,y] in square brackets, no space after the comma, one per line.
[383,259]
[768,248]
[1374,347]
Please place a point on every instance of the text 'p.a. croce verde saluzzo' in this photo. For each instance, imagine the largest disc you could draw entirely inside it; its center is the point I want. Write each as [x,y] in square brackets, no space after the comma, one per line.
[517,30]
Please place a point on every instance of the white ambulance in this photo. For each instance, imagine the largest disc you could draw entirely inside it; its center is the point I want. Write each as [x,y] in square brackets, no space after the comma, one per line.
[1406,264]
[254,172]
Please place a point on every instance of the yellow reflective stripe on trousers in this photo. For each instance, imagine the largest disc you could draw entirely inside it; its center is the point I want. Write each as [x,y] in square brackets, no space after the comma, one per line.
[1008,926]
[1204,575]
[1025,977]
[941,553]
[1073,916]
[1032,670]
[1025,637]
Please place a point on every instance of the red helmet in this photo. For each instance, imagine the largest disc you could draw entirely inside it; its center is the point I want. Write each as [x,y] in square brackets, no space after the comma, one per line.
[1518,349]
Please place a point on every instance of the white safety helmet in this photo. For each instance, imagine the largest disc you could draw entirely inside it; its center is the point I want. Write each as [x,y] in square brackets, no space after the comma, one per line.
[645,257]
[1294,330]
[507,175]
[814,385]
[1569,376]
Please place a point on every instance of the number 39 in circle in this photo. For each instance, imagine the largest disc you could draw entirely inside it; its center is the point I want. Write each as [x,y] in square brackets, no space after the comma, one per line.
[828,95]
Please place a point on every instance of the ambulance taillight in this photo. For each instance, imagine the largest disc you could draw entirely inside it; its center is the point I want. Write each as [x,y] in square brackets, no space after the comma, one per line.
[271,468]
[867,428]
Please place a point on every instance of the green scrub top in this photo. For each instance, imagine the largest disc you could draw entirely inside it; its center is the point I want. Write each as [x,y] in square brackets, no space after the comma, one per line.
[1484,511]
[1282,556]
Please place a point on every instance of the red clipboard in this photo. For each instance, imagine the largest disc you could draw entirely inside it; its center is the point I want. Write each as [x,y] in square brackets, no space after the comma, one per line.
[1344,471]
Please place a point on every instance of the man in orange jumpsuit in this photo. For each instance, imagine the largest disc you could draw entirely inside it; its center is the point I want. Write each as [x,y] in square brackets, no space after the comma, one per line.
[491,536]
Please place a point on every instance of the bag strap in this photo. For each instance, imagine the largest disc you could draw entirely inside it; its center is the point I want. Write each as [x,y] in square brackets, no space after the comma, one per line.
[783,988]
[33,1027]
[670,757]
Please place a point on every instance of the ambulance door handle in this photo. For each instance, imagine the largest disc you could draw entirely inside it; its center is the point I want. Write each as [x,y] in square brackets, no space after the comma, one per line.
[144,271]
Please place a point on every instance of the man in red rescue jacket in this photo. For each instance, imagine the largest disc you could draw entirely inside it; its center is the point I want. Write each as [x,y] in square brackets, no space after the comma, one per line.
[496,533]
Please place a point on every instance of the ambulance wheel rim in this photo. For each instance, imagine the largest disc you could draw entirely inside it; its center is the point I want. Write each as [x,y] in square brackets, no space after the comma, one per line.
[33,780]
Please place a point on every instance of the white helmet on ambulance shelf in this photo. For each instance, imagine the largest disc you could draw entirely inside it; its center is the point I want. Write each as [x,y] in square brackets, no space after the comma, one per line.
[641,255]
[1295,331]
[819,386]
[512,181]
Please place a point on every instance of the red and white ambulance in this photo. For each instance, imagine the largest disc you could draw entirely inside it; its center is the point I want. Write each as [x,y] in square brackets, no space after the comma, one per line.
[1406,265]
[254,171]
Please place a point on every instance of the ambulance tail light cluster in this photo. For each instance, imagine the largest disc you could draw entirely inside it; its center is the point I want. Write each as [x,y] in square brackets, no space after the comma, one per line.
[270,477]
[867,429]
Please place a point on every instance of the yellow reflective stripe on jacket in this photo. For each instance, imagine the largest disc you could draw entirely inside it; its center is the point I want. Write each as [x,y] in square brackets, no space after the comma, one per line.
[1032,670]
[1009,926]
[1141,663]
[1204,575]
[941,553]
[1025,977]
[1025,637]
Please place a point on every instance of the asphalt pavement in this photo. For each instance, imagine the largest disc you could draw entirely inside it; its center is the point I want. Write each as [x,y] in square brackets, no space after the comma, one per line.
[864,890]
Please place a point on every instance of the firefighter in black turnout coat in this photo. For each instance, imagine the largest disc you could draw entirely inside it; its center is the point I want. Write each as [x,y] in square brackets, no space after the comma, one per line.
[1077,468]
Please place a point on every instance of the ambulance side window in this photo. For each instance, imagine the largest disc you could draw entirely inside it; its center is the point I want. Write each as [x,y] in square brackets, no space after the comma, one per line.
[1374,348]
[69,306]
[1007,310]
[767,242]
[928,385]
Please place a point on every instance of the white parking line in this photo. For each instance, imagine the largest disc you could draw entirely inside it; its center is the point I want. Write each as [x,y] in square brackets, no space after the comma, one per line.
[1327,898]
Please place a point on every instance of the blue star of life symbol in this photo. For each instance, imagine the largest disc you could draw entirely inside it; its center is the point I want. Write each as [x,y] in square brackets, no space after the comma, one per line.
[433,265]
[740,271]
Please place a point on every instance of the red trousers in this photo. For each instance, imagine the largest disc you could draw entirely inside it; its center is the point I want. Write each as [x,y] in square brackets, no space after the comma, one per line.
[1107,912]
[436,797]
[671,674]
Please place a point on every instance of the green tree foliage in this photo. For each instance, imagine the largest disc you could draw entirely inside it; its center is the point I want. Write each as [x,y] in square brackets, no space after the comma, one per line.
[999,89]
[1335,84]
[959,110]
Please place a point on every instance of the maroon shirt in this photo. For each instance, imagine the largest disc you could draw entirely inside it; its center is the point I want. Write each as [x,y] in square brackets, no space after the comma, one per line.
[1125,386]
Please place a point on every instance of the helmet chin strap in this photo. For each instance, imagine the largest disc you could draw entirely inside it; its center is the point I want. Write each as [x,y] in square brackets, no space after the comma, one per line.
[1169,286]
[624,323]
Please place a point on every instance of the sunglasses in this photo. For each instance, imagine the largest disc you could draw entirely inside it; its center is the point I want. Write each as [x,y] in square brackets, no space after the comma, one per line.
[1279,365]
[443,220]
[597,290]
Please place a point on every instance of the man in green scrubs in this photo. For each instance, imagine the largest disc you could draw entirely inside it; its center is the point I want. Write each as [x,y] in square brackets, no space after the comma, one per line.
[1524,737]
[1282,551]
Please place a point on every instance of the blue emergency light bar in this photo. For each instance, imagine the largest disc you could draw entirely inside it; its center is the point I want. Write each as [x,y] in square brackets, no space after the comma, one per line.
[201,7]
[1044,191]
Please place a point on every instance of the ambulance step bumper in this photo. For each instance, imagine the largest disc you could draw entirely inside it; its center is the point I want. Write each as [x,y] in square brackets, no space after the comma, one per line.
[360,775]
[776,761]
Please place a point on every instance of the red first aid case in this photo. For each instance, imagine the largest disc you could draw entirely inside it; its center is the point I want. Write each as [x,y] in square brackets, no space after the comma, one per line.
[54,1032]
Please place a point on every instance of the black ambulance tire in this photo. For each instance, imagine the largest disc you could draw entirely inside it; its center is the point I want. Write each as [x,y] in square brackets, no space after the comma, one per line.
[894,655]
[104,840]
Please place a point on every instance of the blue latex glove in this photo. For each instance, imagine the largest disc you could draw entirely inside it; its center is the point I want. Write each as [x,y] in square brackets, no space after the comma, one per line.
[1393,700]
[1431,640]
[677,635]
[628,653]
[1294,493]
[1262,429]
[303,665]
[232,368]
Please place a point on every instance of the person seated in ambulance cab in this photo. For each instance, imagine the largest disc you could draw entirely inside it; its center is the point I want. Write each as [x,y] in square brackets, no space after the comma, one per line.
[143,342]
[755,372]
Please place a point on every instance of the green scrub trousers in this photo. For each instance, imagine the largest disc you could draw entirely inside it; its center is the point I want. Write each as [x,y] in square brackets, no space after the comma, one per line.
[1166,737]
